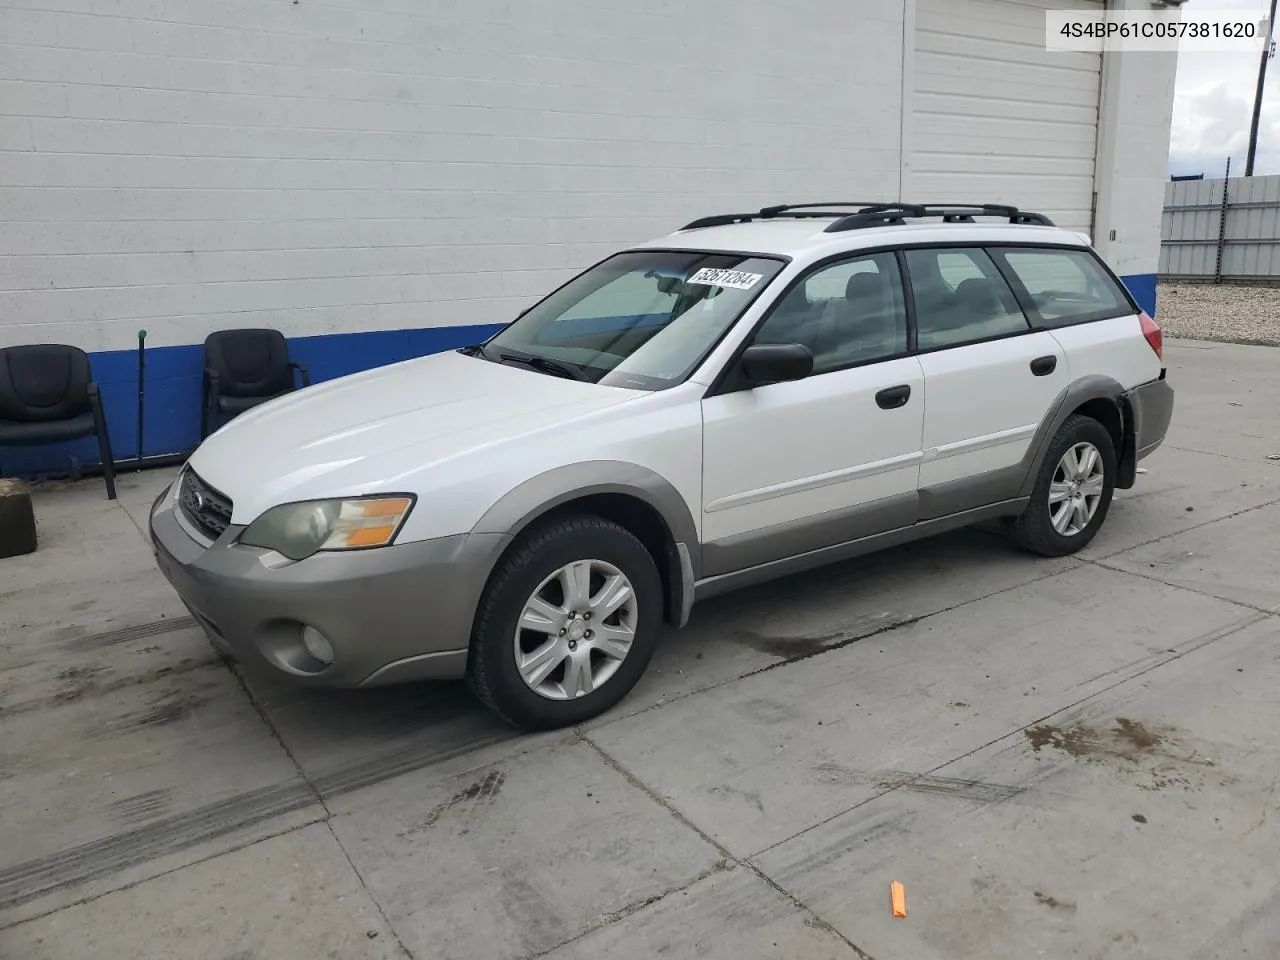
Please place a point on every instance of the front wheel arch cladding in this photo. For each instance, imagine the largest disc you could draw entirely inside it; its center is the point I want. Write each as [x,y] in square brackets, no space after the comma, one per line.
[541,495]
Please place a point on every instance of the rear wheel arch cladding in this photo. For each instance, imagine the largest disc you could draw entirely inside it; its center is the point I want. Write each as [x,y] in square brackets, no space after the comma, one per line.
[1127,445]
[1105,394]
[635,497]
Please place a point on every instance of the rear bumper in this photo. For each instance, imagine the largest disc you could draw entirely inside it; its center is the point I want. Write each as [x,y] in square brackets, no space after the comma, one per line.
[1152,408]
[393,614]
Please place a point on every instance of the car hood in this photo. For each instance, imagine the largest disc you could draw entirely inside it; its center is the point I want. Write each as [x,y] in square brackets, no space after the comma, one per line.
[371,431]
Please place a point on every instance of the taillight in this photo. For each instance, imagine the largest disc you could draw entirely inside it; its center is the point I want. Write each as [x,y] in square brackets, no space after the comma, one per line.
[1151,330]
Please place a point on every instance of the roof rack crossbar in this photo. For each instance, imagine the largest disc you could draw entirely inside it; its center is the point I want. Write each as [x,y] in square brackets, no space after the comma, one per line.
[805,210]
[787,207]
[719,220]
[894,214]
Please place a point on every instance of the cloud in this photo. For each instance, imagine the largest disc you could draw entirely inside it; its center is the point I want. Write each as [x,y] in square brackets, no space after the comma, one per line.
[1211,123]
[1213,103]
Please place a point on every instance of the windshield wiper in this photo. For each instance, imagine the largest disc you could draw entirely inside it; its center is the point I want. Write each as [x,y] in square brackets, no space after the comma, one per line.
[543,365]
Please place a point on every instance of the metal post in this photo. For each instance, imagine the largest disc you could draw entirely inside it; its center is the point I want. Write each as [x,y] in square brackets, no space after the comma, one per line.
[142,387]
[1257,96]
[1222,224]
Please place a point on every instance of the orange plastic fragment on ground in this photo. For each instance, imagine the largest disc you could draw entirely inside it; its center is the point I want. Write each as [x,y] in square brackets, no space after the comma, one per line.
[898,897]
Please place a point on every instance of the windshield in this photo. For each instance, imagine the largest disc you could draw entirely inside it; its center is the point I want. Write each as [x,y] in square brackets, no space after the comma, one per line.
[642,319]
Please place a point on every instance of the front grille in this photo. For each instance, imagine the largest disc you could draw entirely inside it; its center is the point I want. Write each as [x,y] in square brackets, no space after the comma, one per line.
[207,509]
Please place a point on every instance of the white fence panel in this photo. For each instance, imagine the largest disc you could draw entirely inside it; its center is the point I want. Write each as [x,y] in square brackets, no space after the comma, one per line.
[1204,237]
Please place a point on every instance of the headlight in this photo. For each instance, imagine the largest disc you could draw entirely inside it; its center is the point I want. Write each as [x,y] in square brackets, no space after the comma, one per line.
[297,530]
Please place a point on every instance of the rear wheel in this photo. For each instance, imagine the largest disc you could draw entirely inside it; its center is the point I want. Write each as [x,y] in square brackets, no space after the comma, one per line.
[567,624]
[1073,490]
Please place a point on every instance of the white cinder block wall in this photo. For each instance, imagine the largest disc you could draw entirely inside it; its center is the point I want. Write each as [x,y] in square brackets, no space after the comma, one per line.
[383,178]
[1133,160]
[350,167]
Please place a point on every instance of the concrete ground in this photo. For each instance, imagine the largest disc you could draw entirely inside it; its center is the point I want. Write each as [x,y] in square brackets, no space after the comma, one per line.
[1058,758]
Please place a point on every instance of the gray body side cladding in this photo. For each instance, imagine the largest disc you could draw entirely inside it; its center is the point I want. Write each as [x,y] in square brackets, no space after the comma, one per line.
[780,541]
[703,570]
[725,583]
[863,528]
[1019,480]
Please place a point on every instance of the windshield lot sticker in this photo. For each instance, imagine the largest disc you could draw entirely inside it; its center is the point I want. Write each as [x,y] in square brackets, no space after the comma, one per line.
[733,279]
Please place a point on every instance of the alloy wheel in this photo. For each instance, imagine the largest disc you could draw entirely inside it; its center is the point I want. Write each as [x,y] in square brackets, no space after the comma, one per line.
[575,630]
[1076,489]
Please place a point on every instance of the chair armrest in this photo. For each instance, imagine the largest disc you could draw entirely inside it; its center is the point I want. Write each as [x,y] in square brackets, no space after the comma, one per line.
[302,369]
[95,399]
[211,374]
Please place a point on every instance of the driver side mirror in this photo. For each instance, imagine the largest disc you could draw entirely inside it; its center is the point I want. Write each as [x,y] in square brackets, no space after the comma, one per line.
[763,363]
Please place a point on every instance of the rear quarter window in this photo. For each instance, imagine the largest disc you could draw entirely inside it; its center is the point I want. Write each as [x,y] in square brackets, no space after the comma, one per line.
[1064,286]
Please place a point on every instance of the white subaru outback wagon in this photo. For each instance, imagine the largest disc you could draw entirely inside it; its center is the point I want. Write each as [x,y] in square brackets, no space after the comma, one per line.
[754,395]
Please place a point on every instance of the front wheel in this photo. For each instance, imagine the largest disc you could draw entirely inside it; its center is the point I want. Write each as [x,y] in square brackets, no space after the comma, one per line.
[567,625]
[1073,490]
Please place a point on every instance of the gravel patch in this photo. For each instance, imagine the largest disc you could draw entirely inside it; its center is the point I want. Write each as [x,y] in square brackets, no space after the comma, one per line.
[1230,312]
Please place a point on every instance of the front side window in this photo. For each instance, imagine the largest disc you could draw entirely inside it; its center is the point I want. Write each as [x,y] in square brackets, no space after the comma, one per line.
[642,319]
[847,313]
[1066,286]
[960,297]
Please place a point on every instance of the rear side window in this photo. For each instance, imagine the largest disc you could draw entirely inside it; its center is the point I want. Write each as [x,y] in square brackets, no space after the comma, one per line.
[960,297]
[1065,286]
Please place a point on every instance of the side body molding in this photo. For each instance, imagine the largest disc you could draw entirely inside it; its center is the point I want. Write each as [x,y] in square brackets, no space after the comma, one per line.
[538,495]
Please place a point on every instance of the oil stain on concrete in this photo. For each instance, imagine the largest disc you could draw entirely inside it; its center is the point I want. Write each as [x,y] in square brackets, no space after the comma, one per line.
[1127,740]
[1160,753]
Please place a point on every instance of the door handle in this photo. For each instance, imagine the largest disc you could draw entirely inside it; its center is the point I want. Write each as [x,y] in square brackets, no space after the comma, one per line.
[891,398]
[1043,366]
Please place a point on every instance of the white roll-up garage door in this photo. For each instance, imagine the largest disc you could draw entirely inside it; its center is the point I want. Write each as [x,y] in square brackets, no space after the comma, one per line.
[996,117]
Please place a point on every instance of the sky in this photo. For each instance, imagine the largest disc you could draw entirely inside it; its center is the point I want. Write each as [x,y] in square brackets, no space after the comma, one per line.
[1213,102]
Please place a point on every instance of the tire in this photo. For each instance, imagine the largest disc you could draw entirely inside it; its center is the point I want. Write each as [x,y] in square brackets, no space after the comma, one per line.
[544,564]
[1035,529]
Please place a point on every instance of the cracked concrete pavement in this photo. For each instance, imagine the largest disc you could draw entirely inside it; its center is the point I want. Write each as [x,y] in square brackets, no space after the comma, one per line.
[1066,758]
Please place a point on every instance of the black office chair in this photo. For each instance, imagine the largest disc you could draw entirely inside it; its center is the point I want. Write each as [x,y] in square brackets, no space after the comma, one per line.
[48,395]
[243,368]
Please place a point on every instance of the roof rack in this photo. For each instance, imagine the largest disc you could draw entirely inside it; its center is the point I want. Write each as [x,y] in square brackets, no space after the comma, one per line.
[877,214]
[801,210]
[892,214]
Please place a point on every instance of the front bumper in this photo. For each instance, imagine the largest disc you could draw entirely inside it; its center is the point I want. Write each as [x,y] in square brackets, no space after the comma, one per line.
[392,614]
[1152,406]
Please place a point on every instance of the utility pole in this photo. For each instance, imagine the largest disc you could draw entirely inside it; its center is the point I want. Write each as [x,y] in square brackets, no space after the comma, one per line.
[1257,97]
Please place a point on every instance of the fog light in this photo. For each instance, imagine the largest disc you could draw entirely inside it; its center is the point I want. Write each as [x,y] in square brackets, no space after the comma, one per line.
[317,645]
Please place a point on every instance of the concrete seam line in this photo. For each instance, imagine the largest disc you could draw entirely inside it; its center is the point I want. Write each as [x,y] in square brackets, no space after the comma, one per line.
[728,858]
[858,952]
[1195,644]
[618,915]
[640,785]
[1212,453]
[880,631]
[235,848]
[1177,533]
[320,799]
[1179,586]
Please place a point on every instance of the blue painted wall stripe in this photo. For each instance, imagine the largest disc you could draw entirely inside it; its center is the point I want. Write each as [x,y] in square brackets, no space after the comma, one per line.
[173,375]
[172,422]
[1143,288]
